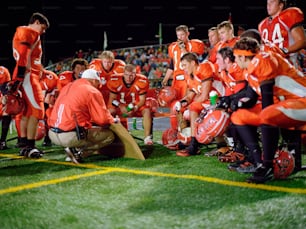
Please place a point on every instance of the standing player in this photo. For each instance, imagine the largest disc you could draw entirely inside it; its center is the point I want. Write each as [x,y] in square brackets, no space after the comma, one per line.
[27,51]
[175,51]
[227,39]
[213,37]
[284,27]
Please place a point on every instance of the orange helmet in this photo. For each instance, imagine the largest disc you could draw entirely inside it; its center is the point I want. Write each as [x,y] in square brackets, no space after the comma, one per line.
[283,164]
[213,125]
[41,130]
[166,96]
[13,104]
[169,137]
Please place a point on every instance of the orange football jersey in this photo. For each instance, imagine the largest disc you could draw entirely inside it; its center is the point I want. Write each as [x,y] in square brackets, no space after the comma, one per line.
[175,53]
[26,35]
[64,78]
[48,80]
[230,43]
[127,95]
[233,79]
[204,71]
[277,30]
[289,82]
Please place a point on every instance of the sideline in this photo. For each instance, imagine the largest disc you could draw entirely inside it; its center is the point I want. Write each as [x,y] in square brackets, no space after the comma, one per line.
[106,170]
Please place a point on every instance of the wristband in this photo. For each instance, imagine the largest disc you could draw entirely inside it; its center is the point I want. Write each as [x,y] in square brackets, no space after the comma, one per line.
[21,72]
[115,103]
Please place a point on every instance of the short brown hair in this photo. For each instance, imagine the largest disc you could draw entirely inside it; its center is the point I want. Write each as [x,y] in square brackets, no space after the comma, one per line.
[79,61]
[182,28]
[41,18]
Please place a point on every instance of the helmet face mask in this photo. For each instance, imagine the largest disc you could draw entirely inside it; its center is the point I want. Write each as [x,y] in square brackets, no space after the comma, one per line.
[283,163]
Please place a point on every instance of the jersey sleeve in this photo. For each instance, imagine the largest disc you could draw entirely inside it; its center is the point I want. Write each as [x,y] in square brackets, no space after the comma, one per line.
[292,16]
[205,70]
[114,83]
[142,84]
[263,67]
[24,38]
[198,46]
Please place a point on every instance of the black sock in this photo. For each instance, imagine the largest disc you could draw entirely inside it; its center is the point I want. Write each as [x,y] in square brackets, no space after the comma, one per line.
[193,147]
[23,140]
[249,137]
[6,120]
[269,138]
[31,143]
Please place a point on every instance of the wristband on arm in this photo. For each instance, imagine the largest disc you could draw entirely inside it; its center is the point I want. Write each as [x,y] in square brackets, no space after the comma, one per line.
[21,72]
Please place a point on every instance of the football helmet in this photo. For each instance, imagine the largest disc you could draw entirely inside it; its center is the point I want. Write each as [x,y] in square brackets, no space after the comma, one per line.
[152,103]
[213,125]
[41,130]
[283,163]
[13,104]
[166,95]
[169,137]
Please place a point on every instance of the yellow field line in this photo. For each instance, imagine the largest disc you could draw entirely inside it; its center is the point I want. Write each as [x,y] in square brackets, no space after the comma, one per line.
[105,170]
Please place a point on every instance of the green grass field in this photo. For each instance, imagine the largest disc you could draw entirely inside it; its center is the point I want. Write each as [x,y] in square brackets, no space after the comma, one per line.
[163,191]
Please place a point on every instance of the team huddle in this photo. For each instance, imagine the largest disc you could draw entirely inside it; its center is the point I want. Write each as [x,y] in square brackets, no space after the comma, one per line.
[246,95]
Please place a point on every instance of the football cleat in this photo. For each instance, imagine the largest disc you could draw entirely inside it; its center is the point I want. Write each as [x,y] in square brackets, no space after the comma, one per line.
[148,140]
[74,155]
[31,152]
[261,175]
[3,146]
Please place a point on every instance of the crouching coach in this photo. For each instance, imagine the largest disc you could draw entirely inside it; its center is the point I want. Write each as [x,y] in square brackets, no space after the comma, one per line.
[80,120]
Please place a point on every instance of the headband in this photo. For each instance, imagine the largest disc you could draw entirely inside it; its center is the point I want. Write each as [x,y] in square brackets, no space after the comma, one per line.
[241,52]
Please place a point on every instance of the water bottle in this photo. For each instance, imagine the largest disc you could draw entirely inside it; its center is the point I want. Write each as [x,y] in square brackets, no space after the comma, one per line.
[134,123]
[130,107]
[213,97]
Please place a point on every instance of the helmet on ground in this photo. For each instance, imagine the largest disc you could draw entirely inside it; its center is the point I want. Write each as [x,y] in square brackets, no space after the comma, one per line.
[41,130]
[283,164]
[169,137]
[166,96]
[213,125]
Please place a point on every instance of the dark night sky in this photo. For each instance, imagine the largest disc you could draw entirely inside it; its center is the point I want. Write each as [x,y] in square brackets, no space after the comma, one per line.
[81,24]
